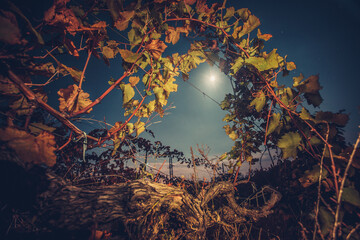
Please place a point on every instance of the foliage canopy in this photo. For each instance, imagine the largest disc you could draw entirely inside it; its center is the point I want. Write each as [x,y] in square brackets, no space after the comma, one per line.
[261,113]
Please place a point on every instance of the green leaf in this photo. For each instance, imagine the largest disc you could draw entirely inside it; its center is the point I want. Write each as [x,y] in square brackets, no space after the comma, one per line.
[270,61]
[326,220]
[352,196]
[274,123]
[128,92]
[134,36]
[129,56]
[289,144]
[108,52]
[259,102]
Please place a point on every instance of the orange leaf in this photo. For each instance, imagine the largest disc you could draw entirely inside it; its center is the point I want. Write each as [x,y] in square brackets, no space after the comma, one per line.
[133,81]
[31,149]
[67,102]
[265,37]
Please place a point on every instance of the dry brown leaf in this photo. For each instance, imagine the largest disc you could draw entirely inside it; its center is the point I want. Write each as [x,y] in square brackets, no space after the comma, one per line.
[66,96]
[156,47]
[31,149]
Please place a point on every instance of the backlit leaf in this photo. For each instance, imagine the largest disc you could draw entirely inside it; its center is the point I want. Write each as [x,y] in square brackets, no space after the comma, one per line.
[108,52]
[128,92]
[231,133]
[270,61]
[134,80]
[264,37]
[312,176]
[229,13]
[290,66]
[289,143]
[310,85]
[123,21]
[274,123]
[251,23]
[129,56]
[297,80]
[259,102]
[139,127]
[155,47]
[69,104]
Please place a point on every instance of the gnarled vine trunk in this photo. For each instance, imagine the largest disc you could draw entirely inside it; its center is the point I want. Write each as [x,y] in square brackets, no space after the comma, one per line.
[147,210]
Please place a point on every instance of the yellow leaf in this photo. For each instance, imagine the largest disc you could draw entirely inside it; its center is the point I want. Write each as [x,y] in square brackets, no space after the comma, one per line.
[139,127]
[31,149]
[128,92]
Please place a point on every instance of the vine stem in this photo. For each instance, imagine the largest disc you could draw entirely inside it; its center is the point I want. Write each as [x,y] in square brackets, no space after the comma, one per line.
[336,223]
[319,187]
[210,25]
[267,122]
[32,97]
[73,99]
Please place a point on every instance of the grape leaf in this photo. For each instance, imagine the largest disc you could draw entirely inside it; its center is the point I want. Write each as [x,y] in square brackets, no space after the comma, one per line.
[259,102]
[139,127]
[155,47]
[134,80]
[128,92]
[23,107]
[7,87]
[264,37]
[269,61]
[274,123]
[123,21]
[31,149]
[310,85]
[251,23]
[9,30]
[351,195]
[290,66]
[67,102]
[297,80]
[231,133]
[289,143]
[108,52]
[129,56]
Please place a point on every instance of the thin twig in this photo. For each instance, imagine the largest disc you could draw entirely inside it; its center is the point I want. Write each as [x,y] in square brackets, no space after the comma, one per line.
[336,223]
